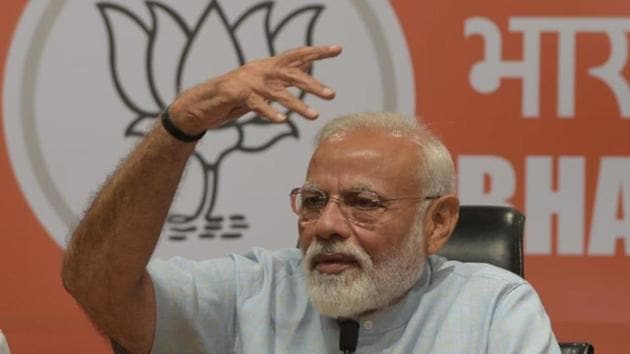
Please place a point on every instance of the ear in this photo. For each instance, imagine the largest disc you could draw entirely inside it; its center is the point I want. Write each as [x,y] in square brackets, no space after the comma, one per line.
[439,222]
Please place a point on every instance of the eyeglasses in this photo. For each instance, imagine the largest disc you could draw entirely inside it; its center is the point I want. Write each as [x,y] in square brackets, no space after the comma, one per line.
[361,207]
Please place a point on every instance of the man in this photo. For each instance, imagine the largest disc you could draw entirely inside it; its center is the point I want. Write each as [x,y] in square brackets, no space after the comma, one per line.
[377,201]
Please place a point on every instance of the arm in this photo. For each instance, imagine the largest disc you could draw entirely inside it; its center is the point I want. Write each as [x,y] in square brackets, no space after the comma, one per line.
[104,267]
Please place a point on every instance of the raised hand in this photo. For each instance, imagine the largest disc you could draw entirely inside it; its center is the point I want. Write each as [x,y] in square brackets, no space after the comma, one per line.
[252,87]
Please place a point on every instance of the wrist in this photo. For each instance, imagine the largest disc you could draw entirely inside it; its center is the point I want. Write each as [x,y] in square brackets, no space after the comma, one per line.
[178,129]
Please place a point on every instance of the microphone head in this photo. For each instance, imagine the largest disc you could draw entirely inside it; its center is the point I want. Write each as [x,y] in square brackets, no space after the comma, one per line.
[348,334]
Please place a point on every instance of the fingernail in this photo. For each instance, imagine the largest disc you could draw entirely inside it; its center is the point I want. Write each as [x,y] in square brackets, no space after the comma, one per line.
[281,117]
[328,92]
[311,113]
[335,47]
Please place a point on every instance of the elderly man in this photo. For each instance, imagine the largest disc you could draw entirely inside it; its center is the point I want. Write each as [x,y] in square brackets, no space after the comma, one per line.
[378,201]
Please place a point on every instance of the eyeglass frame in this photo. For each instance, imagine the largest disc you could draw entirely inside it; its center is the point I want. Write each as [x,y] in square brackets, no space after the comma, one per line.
[342,207]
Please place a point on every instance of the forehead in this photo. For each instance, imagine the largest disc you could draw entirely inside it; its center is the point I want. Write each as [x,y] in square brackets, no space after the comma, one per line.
[366,159]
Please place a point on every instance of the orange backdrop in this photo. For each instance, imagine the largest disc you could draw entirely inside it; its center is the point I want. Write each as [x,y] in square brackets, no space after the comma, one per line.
[585,294]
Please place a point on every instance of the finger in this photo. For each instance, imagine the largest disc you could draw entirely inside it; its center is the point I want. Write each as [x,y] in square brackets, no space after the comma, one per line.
[300,56]
[258,104]
[285,98]
[306,83]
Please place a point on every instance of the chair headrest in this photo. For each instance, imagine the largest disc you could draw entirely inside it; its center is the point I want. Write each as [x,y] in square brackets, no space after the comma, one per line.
[488,234]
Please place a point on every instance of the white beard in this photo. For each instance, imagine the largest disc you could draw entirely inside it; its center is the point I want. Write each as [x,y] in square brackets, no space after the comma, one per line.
[375,285]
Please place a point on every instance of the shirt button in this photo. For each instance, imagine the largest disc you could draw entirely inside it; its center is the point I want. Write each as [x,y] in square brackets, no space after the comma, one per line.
[367,325]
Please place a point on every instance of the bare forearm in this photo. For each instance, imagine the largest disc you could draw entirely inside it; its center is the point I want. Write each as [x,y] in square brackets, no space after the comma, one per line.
[109,250]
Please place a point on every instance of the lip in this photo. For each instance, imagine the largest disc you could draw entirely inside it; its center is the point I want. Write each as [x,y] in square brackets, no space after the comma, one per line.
[333,263]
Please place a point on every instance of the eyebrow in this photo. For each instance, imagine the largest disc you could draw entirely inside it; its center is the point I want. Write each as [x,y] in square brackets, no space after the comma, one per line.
[365,187]
[310,185]
[359,187]
[362,188]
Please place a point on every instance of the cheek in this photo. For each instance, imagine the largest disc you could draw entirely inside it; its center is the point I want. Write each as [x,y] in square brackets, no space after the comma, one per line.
[382,240]
[374,242]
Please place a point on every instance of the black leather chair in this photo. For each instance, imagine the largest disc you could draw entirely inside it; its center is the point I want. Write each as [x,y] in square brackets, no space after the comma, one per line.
[576,348]
[488,234]
[494,234]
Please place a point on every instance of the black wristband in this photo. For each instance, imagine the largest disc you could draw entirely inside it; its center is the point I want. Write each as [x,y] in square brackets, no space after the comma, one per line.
[175,132]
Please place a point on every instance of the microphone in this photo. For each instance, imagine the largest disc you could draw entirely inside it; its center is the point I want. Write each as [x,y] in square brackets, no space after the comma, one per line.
[348,335]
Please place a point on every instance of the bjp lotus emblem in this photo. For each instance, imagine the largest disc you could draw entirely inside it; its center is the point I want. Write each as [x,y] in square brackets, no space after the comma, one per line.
[180,54]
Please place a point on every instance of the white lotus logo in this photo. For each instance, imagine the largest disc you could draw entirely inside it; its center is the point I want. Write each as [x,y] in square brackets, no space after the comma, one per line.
[178,55]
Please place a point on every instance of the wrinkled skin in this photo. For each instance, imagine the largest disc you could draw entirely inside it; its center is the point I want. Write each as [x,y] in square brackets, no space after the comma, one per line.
[384,164]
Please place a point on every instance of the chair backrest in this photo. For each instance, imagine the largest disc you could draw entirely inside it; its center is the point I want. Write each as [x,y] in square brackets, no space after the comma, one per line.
[488,234]
[576,348]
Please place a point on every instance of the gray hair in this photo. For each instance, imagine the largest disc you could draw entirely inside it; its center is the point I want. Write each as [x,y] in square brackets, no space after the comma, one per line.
[435,171]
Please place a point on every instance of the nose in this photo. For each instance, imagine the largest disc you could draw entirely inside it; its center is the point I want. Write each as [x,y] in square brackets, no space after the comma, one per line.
[331,222]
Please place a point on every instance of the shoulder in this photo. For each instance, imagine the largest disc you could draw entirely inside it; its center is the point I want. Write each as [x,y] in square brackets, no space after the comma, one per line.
[288,258]
[478,281]
[505,306]
[256,260]
[472,272]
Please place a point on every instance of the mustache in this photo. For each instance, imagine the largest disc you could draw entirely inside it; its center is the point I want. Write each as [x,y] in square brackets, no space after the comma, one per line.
[318,248]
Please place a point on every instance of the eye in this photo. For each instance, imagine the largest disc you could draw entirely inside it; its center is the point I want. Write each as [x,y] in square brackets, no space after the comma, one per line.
[363,201]
[312,200]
